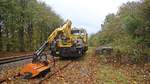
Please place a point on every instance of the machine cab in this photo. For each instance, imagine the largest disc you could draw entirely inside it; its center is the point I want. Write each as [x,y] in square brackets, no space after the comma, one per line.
[79,33]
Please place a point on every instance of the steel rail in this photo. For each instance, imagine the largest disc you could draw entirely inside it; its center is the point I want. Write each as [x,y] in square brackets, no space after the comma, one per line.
[14,59]
[49,75]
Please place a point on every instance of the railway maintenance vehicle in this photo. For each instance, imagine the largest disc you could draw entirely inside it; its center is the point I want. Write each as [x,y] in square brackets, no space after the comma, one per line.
[64,41]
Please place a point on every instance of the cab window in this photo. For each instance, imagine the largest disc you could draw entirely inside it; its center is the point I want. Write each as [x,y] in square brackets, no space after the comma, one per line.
[75,32]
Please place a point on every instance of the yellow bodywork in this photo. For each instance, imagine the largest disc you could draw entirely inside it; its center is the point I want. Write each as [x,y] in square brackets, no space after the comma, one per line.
[64,30]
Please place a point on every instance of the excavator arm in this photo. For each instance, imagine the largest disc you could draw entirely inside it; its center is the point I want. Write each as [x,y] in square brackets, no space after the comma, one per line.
[65,29]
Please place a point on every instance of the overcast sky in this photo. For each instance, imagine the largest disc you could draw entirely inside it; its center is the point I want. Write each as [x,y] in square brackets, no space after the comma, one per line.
[88,14]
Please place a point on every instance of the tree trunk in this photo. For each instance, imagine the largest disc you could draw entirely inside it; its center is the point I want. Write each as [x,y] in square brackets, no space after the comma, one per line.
[21,39]
[21,29]
[21,33]
[1,37]
[7,41]
[30,32]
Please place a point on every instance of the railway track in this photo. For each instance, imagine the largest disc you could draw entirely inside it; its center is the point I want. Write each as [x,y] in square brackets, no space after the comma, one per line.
[14,59]
[38,81]
[49,75]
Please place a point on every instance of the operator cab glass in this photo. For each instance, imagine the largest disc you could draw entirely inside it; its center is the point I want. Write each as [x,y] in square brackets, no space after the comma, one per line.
[75,32]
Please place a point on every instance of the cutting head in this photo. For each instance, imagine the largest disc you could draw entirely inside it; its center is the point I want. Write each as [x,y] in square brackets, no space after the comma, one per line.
[35,68]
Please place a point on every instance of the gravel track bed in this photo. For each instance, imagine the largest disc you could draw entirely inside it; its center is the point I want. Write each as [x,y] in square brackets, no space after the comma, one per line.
[11,69]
